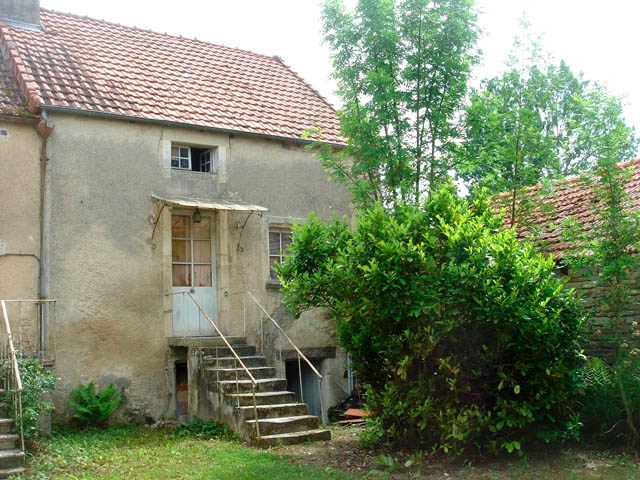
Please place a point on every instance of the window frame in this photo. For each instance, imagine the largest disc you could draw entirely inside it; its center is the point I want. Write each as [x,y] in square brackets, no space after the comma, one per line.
[192,238]
[280,230]
[210,153]
[179,157]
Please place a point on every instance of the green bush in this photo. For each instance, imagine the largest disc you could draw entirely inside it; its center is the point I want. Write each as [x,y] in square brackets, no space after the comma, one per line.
[36,382]
[461,333]
[95,408]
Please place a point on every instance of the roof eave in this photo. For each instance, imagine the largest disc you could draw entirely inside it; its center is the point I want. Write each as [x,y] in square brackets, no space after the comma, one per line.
[169,123]
[19,119]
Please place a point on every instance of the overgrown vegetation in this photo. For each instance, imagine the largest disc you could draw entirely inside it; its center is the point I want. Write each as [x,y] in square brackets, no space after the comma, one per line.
[93,407]
[609,248]
[202,429]
[37,383]
[461,333]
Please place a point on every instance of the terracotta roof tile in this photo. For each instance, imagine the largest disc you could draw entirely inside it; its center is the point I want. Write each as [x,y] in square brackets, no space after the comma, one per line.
[11,101]
[543,209]
[85,64]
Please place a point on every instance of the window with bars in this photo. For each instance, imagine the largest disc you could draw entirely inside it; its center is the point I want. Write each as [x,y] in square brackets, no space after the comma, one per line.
[279,241]
[191,251]
[196,159]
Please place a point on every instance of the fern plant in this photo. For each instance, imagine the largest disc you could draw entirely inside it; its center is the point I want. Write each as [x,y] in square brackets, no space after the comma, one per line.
[597,373]
[95,408]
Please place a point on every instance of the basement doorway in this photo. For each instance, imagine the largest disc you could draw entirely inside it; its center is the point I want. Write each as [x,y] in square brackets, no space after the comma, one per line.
[182,392]
[309,393]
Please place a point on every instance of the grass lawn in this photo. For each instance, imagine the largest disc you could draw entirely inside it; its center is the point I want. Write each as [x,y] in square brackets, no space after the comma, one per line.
[130,452]
[138,452]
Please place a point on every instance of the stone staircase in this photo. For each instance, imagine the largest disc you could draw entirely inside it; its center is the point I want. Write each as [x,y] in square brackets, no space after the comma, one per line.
[11,457]
[281,419]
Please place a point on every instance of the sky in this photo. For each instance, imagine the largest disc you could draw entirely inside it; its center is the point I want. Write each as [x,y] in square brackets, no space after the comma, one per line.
[595,37]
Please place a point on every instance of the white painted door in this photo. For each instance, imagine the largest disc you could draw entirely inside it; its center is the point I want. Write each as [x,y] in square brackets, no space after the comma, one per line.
[193,270]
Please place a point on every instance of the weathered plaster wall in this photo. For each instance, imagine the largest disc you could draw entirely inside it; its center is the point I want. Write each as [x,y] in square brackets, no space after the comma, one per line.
[20,221]
[110,277]
[19,209]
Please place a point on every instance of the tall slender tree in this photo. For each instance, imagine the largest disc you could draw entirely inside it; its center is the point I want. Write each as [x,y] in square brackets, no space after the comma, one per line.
[402,69]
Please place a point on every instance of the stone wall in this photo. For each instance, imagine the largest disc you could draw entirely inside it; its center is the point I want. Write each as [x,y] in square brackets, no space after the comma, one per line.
[594,298]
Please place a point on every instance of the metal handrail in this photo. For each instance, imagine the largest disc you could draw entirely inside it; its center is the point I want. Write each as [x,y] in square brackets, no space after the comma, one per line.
[254,384]
[16,374]
[300,354]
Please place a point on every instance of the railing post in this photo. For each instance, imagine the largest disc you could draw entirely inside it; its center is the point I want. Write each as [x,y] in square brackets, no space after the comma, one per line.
[262,332]
[300,380]
[255,411]
[17,391]
[322,413]
[235,364]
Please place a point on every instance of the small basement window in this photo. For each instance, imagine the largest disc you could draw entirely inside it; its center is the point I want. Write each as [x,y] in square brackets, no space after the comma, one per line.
[196,159]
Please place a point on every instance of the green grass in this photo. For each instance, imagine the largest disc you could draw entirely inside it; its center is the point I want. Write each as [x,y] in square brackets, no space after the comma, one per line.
[141,453]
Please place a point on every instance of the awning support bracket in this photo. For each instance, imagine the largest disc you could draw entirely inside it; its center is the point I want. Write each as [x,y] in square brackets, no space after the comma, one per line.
[239,246]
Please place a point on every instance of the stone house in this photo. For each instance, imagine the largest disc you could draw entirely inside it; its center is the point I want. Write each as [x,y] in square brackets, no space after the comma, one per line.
[139,170]
[541,213]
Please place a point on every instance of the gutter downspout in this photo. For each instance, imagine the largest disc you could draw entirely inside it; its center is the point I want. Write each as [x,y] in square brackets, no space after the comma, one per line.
[44,129]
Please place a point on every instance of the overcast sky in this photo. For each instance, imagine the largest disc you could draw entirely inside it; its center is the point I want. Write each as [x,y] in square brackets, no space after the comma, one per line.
[594,36]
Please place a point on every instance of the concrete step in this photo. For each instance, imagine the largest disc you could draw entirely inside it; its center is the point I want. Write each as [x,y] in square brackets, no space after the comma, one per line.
[6,425]
[7,472]
[241,351]
[216,374]
[230,362]
[279,425]
[262,398]
[205,341]
[245,386]
[315,435]
[272,411]
[8,441]
[11,458]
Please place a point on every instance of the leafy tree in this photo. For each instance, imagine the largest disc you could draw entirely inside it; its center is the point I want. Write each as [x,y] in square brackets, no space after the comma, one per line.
[461,334]
[402,70]
[537,121]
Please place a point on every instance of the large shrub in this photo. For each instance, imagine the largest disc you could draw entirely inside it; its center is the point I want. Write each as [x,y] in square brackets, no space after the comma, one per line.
[461,334]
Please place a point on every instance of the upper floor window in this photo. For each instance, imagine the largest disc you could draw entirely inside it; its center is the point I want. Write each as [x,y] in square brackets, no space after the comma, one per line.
[196,159]
[279,241]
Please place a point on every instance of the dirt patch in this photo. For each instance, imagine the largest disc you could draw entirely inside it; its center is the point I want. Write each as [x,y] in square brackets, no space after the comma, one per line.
[344,453]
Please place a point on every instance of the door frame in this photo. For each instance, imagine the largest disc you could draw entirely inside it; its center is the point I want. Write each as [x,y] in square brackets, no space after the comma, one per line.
[175,294]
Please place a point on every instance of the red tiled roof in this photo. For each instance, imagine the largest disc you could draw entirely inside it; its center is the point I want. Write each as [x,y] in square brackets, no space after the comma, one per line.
[543,209]
[11,103]
[92,65]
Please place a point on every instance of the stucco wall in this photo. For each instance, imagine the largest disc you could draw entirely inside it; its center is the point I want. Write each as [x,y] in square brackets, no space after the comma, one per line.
[20,223]
[19,209]
[110,277]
